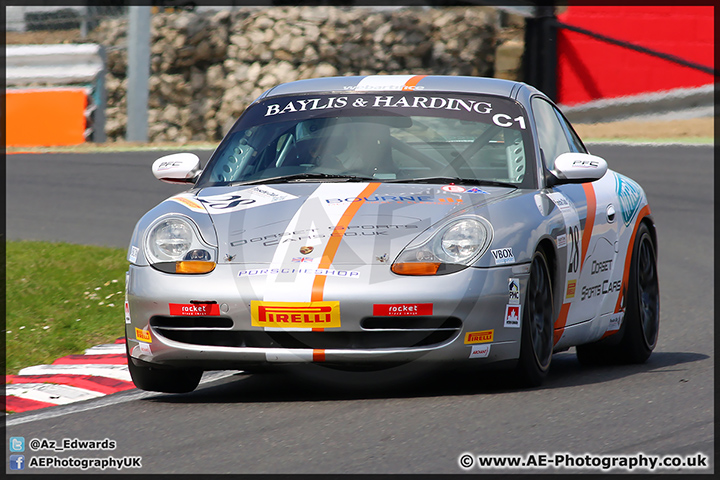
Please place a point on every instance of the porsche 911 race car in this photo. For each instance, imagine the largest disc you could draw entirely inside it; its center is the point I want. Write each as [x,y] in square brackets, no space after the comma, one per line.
[365,222]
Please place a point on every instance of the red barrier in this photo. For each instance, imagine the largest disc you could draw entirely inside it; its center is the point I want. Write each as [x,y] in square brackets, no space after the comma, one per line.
[590,69]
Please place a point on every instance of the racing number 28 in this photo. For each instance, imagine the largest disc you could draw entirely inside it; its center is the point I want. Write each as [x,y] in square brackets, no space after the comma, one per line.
[574,259]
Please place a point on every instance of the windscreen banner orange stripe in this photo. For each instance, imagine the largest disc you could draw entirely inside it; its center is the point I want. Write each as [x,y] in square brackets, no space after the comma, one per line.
[412,83]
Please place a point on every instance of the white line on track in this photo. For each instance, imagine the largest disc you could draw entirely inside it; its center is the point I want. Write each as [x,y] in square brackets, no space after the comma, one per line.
[106,349]
[118,372]
[51,393]
[105,401]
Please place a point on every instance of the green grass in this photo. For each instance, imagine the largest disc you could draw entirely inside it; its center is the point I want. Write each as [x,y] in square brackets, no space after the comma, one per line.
[61,299]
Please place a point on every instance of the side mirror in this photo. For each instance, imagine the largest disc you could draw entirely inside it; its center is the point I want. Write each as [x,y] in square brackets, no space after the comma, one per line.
[177,168]
[572,167]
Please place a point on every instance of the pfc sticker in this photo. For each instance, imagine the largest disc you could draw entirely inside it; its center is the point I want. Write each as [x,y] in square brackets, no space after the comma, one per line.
[143,335]
[403,309]
[513,291]
[571,289]
[195,310]
[503,256]
[512,316]
[480,351]
[145,348]
[295,314]
[485,336]
[615,321]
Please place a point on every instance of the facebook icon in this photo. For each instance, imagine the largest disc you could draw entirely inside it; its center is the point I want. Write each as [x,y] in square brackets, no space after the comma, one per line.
[17,462]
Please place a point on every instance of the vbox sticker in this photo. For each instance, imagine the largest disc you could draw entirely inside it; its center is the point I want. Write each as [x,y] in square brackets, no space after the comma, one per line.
[512,316]
[503,256]
[480,351]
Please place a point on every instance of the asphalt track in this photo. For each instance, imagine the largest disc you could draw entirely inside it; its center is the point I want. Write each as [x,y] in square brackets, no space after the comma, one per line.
[342,424]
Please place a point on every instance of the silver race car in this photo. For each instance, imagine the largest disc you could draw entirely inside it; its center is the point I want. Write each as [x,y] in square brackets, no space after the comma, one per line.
[370,222]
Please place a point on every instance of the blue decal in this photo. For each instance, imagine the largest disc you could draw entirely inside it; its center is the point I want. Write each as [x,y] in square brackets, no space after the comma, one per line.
[476,190]
[630,196]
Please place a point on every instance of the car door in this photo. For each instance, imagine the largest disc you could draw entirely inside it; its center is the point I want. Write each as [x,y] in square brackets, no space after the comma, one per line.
[591,240]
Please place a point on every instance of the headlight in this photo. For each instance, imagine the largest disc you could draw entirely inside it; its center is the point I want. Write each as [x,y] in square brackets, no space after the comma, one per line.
[173,245]
[452,248]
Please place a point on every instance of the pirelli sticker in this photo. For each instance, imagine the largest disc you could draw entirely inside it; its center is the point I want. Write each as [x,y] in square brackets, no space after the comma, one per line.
[485,336]
[143,335]
[295,314]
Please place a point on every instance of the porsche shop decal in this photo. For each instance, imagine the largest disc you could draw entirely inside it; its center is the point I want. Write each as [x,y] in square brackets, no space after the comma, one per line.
[295,314]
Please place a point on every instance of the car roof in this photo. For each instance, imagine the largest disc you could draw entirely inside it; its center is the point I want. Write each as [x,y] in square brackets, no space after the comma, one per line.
[425,83]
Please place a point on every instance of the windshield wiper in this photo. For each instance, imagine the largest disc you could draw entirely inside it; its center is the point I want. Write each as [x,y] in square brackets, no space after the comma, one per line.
[456,180]
[300,177]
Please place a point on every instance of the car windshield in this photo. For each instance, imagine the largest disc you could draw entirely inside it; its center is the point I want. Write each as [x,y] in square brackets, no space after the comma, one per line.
[383,136]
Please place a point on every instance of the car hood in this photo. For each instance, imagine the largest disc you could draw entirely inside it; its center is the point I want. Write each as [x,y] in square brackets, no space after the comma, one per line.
[348,223]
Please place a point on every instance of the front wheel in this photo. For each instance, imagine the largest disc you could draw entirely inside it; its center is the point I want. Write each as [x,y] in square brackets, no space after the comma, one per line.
[536,346]
[162,380]
[642,316]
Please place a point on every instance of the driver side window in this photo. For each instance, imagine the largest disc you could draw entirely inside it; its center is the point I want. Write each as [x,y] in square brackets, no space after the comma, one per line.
[551,134]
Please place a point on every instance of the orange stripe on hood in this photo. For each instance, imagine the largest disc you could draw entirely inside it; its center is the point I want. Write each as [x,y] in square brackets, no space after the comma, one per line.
[334,242]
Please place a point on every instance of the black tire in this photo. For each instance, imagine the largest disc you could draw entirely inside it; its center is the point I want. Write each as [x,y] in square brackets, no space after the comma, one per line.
[639,332]
[642,316]
[536,346]
[162,379]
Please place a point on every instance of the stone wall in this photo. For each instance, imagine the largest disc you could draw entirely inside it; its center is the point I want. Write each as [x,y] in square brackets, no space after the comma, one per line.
[206,68]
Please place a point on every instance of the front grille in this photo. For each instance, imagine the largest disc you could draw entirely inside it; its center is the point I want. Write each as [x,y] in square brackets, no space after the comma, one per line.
[198,322]
[381,333]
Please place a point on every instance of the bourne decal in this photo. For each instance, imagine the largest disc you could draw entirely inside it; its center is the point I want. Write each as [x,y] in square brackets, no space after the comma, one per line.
[295,314]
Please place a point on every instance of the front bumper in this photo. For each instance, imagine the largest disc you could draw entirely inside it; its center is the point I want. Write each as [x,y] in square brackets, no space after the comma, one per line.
[472,300]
